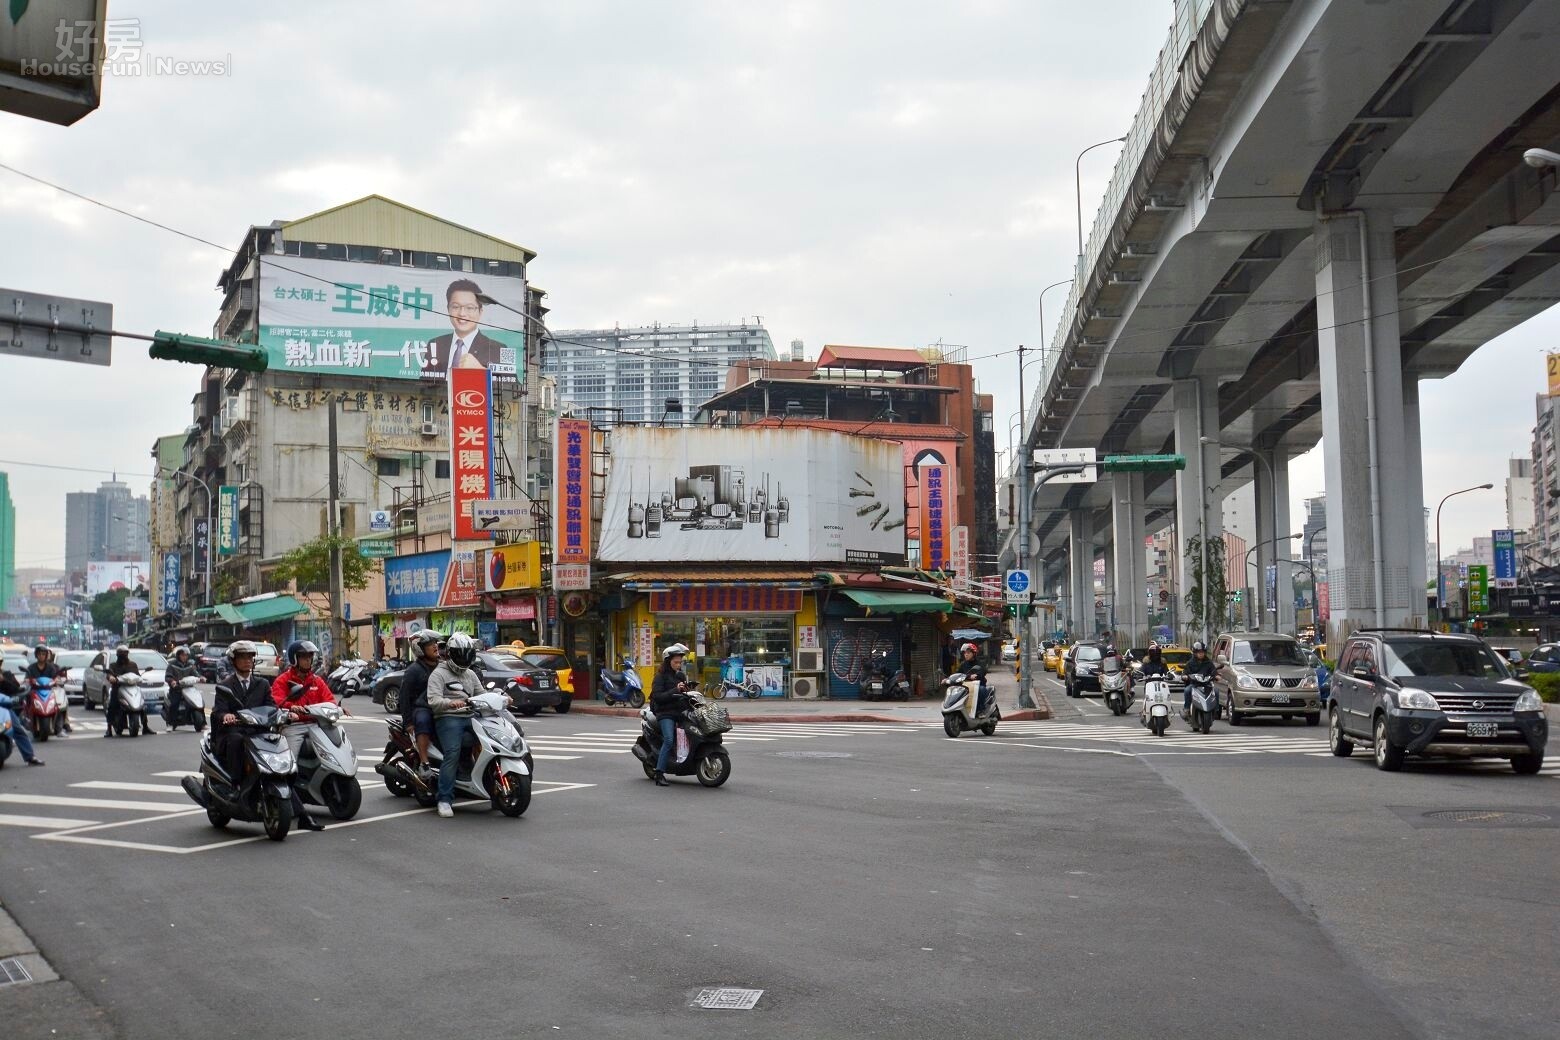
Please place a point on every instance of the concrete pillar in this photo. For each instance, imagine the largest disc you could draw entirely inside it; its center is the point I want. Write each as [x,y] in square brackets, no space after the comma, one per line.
[1262,546]
[1130,564]
[1371,519]
[1273,522]
[1414,474]
[1080,573]
[1286,549]
[1195,403]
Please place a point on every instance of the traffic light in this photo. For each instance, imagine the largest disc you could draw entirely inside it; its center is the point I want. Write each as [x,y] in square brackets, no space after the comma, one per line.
[175,346]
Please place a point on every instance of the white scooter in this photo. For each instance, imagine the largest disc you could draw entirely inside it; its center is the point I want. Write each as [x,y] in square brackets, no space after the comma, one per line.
[961,707]
[132,705]
[1115,687]
[1156,704]
[498,767]
[185,703]
[1204,705]
[327,765]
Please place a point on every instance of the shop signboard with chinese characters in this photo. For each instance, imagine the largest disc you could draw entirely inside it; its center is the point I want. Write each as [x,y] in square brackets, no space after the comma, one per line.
[1505,543]
[168,595]
[571,554]
[512,568]
[462,583]
[934,518]
[471,448]
[202,542]
[961,554]
[415,582]
[686,495]
[353,318]
[227,520]
[1478,589]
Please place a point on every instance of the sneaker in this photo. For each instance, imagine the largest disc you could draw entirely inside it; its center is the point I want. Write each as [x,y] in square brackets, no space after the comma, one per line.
[35,761]
[446,810]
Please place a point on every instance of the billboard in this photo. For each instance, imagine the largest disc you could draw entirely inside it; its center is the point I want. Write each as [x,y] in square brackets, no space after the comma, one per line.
[344,317]
[571,553]
[168,596]
[108,575]
[1553,364]
[768,494]
[441,578]
[471,447]
[227,520]
[509,568]
[1505,542]
[1478,589]
[934,517]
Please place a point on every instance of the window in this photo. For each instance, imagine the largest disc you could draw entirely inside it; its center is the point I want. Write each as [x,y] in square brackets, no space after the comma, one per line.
[1407,658]
[1267,652]
[441,469]
[389,467]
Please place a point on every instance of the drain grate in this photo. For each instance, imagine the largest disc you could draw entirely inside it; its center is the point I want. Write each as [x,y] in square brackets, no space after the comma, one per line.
[12,972]
[812,754]
[1503,817]
[727,998]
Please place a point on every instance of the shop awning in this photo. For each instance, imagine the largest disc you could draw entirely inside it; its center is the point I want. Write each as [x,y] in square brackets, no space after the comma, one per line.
[672,578]
[260,611]
[899,602]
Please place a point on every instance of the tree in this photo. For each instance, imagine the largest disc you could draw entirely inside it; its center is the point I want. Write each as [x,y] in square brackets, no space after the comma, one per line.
[108,608]
[308,568]
[1216,583]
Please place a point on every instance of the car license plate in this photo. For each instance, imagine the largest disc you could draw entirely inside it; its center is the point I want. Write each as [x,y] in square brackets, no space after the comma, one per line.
[1280,698]
[1482,729]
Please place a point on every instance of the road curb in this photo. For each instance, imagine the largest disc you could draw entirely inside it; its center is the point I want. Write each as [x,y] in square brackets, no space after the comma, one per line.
[47,1006]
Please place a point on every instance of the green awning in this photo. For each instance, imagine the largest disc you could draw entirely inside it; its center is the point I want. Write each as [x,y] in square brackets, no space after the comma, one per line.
[900,602]
[260,611]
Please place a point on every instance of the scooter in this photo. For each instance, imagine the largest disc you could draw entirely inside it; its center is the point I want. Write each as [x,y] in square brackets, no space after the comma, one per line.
[6,743]
[961,707]
[1115,686]
[185,704]
[704,756]
[46,707]
[399,766]
[498,766]
[623,687]
[1156,705]
[327,765]
[263,794]
[899,686]
[1204,705]
[346,678]
[132,705]
[874,685]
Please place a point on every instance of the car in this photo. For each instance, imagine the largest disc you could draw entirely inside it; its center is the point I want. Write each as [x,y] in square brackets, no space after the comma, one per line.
[1081,668]
[210,660]
[1410,692]
[1054,652]
[1010,650]
[1177,657]
[75,663]
[1544,658]
[268,661]
[557,660]
[531,687]
[1264,674]
[94,685]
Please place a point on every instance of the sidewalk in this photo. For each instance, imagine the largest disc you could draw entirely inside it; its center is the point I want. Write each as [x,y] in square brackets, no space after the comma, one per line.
[926,709]
[45,1006]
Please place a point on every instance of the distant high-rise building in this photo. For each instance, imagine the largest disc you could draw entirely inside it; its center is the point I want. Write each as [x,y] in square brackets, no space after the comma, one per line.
[1314,544]
[1519,495]
[798,351]
[80,530]
[110,523]
[7,543]
[1545,538]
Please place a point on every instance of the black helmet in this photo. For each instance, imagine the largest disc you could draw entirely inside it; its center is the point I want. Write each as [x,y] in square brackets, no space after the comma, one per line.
[462,650]
[1199,647]
[301,646]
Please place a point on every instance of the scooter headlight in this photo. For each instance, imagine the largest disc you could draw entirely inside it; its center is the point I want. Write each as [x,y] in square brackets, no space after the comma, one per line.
[280,762]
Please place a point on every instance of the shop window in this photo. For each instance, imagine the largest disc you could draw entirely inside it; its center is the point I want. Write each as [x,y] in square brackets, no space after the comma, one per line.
[739,647]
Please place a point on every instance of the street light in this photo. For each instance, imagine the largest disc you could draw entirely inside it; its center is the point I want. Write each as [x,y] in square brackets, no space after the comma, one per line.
[1538,158]
[1246,567]
[1440,601]
[1047,289]
[1078,187]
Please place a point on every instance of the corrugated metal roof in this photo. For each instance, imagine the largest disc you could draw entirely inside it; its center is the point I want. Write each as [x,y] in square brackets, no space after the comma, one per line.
[880,430]
[377,221]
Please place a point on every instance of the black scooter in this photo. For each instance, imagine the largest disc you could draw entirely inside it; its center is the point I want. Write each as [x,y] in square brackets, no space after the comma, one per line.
[879,684]
[263,794]
[707,758]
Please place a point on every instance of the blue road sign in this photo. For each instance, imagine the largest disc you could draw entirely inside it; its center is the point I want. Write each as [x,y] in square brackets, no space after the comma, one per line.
[1017,582]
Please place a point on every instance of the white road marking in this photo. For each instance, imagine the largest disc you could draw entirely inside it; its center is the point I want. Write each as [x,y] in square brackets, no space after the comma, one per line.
[81,803]
[44,822]
[115,785]
[178,773]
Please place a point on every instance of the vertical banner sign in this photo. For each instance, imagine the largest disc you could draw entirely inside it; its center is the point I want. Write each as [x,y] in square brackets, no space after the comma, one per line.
[169,599]
[227,520]
[202,544]
[471,447]
[1323,604]
[1505,558]
[934,519]
[1553,363]
[571,555]
[1478,589]
[961,554]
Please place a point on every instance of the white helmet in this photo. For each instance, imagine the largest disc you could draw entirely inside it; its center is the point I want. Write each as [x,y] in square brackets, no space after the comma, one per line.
[462,650]
[239,646]
[672,651]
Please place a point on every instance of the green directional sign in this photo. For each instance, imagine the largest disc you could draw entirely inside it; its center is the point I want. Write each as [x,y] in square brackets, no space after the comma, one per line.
[376,548]
[1142,463]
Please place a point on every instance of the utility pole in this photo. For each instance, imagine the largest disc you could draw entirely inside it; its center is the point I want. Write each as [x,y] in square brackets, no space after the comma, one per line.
[1025,682]
[338,640]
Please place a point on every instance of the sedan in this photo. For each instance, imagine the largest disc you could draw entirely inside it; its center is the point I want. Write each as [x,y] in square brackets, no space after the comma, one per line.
[75,663]
[531,688]
[94,687]
[555,660]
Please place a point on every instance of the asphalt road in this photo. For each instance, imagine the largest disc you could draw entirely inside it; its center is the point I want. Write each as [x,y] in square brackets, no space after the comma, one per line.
[1062,879]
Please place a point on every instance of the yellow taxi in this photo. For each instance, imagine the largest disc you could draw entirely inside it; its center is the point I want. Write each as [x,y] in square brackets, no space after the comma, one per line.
[1054,654]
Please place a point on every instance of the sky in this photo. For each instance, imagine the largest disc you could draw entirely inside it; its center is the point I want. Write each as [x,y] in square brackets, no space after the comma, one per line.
[894,174]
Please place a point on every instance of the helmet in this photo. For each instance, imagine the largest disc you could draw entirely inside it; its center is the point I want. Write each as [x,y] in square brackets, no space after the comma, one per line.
[673,651]
[1199,647]
[968,648]
[239,646]
[180,649]
[1153,646]
[122,650]
[462,650]
[302,646]
[422,639]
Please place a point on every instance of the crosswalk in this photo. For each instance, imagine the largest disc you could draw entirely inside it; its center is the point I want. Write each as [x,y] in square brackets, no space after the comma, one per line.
[547,745]
[1179,739]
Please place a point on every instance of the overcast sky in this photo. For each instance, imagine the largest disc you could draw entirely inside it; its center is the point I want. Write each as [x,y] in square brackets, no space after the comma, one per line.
[884,174]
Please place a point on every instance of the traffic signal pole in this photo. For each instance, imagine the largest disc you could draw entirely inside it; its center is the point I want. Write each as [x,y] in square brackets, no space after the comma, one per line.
[1026,697]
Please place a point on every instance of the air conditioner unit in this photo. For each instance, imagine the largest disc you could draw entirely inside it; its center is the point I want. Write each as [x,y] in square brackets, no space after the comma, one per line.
[806,687]
[809,660]
[430,429]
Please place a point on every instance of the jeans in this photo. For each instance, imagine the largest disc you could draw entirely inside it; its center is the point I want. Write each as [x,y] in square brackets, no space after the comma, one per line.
[19,733]
[668,741]
[452,731]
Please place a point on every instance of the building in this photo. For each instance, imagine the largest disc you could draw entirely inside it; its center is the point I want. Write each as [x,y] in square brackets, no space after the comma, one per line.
[80,537]
[1519,495]
[637,371]
[110,523]
[362,310]
[1545,471]
[1314,544]
[165,537]
[7,543]
[1482,552]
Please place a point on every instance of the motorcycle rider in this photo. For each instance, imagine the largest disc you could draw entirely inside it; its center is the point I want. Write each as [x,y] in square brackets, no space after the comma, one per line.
[310,689]
[668,699]
[239,689]
[1152,665]
[1201,666]
[44,667]
[11,699]
[451,728]
[969,664]
[122,666]
[181,666]
[415,715]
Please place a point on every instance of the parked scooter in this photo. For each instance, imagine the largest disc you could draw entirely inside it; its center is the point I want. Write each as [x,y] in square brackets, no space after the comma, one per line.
[623,687]
[497,766]
[1156,705]
[327,765]
[185,705]
[46,708]
[880,684]
[1115,685]
[1204,704]
[263,794]
[704,755]
[132,705]
[347,678]
[961,707]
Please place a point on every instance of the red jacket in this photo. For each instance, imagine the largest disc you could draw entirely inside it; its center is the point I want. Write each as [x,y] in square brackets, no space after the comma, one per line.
[314,690]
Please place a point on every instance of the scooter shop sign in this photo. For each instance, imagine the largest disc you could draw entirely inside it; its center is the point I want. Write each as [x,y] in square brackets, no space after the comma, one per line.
[227,520]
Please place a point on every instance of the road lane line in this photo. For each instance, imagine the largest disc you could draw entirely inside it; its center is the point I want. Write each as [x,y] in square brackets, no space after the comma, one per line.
[115,785]
[43,822]
[81,803]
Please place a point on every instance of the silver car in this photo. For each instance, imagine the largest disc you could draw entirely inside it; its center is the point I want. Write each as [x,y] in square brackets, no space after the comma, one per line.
[1265,674]
[75,663]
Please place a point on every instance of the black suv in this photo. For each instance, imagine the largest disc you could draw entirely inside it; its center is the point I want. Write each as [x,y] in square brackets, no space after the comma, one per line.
[1081,668]
[1411,692]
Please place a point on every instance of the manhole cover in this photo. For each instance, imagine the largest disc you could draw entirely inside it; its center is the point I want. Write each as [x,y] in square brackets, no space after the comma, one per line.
[813,754]
[12,972]
[1503,817]
[727,998]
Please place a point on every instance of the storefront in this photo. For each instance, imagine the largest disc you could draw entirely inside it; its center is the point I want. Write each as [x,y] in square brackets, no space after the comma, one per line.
[905,626]
[436,590]
[512,579]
